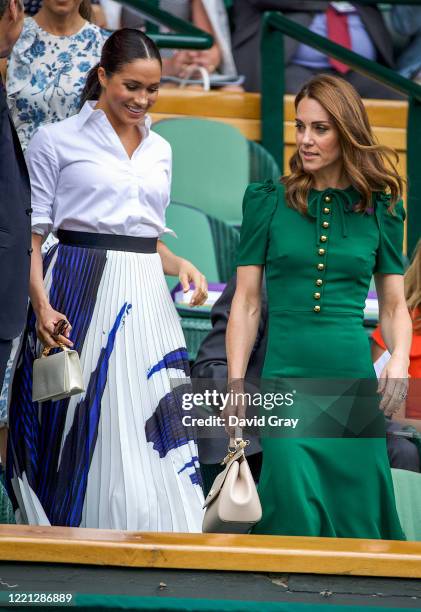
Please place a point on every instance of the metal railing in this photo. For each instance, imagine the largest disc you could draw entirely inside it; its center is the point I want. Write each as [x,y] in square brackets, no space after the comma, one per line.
[185,36]
[275,27]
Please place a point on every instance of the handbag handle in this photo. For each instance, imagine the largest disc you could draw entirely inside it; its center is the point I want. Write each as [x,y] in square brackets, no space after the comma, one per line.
[47,349]
[203,72]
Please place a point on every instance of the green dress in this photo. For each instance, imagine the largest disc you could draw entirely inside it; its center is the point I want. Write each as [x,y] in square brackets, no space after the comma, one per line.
[325,479]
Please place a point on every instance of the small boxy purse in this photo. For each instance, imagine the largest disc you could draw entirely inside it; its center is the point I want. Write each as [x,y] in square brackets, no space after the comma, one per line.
[57,376]
[233,504]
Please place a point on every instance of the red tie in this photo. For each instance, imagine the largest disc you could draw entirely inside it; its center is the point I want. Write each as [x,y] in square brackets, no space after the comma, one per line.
[338,32]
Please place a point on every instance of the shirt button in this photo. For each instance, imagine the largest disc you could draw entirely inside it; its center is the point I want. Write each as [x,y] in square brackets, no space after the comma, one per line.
[28,211]
[30,251]
[319,282]
[325,224]
[326,210]
[323,238]
[316,296]
[317,308]
[322,251]
[328,199]
[320,266]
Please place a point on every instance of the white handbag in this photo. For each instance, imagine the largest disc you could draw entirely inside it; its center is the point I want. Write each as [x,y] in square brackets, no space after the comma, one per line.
[56,376]
[232,504]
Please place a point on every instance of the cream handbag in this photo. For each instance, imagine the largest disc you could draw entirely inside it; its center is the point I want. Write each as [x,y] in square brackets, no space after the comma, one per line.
[56,376]
[232,505]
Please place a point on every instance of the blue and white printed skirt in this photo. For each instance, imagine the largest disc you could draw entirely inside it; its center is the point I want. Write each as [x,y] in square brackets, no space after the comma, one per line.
[118,456]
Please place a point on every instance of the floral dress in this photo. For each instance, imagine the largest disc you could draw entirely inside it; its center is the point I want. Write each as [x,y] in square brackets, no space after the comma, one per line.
[46,75]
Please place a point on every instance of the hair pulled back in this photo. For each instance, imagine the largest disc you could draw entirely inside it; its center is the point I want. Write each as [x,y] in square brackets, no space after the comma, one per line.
[122,47]
[368,165]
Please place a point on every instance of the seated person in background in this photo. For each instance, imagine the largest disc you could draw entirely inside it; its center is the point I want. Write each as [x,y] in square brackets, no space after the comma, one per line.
[211,363]
[89,9]
[410,414]
[46,72]
[208,15]
[360,28]
[406,20]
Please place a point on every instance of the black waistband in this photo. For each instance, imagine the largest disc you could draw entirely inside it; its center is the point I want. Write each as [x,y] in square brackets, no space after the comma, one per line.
[109,242]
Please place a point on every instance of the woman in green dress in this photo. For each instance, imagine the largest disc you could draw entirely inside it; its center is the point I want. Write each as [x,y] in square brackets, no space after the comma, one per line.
[320,235]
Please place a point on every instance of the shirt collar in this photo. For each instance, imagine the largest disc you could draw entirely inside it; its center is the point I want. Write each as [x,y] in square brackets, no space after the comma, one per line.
[88,111]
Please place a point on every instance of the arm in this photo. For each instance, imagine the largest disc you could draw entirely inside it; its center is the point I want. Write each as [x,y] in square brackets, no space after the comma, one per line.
[47,317]
[209,58]
[186,272]
[3,69]
[241,335]
[44,173]
[244,320]
[396,328]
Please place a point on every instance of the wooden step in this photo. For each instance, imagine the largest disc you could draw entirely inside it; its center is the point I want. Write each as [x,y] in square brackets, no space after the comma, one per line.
[246,553]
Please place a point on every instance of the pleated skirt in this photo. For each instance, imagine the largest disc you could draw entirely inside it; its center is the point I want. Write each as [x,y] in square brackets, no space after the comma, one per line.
[117,456]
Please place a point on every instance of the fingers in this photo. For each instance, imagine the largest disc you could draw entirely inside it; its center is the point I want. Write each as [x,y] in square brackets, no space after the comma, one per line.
[200,294]
[184,280]
[53,330]
[395,391]
[382,382]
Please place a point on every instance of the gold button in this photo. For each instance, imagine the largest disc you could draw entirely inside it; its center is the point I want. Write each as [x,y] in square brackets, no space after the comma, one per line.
[319,282]
[322,251]
[316,296]
[325,224]
[323,238]
[316,308]
[328,199]
[320,266]
[326,211]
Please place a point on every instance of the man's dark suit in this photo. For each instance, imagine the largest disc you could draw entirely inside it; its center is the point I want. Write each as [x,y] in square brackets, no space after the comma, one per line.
[247,16]
[15,234]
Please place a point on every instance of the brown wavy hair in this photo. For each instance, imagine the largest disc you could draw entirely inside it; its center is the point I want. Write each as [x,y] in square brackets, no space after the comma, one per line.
[368,165]
[412,282]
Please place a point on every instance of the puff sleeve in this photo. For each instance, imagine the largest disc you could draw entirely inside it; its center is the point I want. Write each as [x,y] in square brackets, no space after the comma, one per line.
[391,224]
[259,204]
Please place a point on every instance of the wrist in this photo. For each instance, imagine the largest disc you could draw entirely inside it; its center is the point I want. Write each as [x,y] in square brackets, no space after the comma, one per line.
[403,357]
[40,306]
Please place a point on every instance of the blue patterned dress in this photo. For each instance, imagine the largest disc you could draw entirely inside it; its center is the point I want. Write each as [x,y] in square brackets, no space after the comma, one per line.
[46,75]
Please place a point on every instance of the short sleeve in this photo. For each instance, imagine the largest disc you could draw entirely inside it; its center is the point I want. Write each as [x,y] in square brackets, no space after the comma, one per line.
[391,225]
[259,204]
[43,171]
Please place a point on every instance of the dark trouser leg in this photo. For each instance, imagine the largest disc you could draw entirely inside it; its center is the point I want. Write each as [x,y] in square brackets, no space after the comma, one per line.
[403,454]
[368,88]
[5,350]
[296,76]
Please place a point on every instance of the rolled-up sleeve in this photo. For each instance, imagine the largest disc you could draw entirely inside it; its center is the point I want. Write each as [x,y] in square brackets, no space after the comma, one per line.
[43,168]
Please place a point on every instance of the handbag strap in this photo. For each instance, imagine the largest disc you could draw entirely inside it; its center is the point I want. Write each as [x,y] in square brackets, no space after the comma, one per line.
[203,72]
[235,450]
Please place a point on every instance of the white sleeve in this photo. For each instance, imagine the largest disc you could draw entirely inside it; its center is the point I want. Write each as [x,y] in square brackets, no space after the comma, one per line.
[43,169]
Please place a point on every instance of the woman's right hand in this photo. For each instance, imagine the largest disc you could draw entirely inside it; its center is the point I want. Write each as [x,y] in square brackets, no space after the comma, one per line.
[47,319]
[236,408]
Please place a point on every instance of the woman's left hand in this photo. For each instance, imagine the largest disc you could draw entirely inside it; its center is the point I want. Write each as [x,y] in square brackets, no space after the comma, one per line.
[393,385]
[187,274]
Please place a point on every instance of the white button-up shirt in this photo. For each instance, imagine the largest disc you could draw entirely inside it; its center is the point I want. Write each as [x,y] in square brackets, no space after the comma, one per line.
[83,180]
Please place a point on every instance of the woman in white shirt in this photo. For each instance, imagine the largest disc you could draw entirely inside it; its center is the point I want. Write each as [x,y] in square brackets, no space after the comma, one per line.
[117,456]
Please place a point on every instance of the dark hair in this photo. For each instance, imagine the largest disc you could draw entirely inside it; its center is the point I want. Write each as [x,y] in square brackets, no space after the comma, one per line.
[3,6]
[122,47]
[85,10]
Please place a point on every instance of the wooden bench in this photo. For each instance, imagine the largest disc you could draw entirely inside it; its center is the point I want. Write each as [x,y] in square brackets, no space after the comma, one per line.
[223,552]
[242,110]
